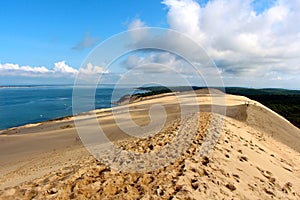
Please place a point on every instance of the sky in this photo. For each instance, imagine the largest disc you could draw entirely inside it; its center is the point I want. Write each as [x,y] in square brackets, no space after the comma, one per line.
[254,43]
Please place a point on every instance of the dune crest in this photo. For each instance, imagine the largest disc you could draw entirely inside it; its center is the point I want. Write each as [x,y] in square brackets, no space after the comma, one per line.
[254,158]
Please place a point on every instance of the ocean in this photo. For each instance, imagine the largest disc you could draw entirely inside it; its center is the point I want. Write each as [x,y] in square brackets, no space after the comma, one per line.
[20,105]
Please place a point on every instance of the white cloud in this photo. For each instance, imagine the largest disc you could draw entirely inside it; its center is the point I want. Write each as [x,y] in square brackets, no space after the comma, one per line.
[9,67]
[91,74]
[40,70]
[158,62]
[93,70]
[63,68]
[88,74]
[242,41]
[60,69]
[136,23]
[187,17]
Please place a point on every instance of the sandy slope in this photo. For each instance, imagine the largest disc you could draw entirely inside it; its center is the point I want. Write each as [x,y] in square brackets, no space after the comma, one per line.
[256,157]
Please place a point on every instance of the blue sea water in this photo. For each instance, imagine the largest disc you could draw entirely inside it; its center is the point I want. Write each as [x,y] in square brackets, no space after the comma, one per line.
[30,104]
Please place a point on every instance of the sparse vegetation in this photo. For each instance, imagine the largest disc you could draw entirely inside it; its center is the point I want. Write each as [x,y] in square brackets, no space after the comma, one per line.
[284,102]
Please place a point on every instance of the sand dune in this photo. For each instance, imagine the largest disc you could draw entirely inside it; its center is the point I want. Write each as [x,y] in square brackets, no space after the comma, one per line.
[256,157]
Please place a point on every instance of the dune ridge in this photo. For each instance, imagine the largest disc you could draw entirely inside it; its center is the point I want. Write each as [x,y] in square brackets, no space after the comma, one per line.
[256,157]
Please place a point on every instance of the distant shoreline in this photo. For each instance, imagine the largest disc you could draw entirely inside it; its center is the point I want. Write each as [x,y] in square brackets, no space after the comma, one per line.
[255,94]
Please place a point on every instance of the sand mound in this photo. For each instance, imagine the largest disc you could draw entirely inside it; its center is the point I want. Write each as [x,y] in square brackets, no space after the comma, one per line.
[253,159]
[244,165]
[272,124]
[266,121]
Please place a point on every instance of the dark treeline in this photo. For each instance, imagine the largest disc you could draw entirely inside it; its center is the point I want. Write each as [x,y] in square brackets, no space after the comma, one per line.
[284,102]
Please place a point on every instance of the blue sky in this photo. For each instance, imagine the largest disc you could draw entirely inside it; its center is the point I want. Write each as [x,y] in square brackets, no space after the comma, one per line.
[39,33]
[61,34]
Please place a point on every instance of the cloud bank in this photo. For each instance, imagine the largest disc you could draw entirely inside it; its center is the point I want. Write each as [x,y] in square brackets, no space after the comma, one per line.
[158,62]
[243,41]
[60,69]
[253,43]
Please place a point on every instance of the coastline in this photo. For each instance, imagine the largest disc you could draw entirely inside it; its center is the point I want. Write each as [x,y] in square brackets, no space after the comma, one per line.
[154,91]
[50,155]
[122,101]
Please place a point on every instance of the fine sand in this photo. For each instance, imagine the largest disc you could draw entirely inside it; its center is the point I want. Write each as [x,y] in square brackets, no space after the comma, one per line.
[257,154]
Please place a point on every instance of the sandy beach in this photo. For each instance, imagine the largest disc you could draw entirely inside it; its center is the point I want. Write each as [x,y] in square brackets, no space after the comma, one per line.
[256,157]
